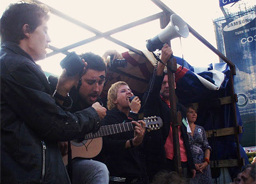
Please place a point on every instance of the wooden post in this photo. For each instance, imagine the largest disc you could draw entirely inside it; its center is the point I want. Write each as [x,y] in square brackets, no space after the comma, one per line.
[171,68]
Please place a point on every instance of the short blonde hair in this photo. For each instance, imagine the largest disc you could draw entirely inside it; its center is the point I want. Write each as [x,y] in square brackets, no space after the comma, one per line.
[112,93]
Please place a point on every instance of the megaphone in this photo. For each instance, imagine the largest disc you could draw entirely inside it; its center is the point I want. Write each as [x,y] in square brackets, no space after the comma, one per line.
[176,28]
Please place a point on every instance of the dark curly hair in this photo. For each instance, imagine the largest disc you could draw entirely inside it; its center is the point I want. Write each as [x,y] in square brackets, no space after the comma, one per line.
[94,61]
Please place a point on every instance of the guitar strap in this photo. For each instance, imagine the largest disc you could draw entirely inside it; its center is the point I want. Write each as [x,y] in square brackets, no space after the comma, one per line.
[69,167]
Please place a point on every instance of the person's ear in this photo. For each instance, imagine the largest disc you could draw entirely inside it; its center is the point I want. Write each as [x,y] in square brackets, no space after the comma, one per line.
[115,101]
[25,29]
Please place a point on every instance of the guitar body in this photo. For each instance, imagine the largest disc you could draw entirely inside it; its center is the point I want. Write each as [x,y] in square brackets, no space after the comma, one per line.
[85,149]
[91,146]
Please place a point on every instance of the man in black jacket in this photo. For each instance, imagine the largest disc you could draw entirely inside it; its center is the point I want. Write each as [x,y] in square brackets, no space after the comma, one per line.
[87,170]
[32,120]
[123,150]
[159,147]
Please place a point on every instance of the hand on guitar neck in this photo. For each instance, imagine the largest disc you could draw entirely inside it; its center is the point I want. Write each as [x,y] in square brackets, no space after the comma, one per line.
[91,146]
[139,132]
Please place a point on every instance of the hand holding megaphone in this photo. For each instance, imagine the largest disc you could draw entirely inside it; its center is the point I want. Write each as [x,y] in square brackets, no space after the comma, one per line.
[176,28]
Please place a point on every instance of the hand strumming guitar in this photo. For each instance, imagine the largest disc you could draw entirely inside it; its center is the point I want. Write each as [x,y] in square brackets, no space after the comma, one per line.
[139,132]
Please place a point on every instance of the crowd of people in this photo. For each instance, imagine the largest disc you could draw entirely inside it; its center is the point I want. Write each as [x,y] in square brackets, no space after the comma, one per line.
[40,117]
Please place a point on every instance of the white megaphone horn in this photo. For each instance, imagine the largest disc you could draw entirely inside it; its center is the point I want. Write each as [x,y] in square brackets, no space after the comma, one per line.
[176,28]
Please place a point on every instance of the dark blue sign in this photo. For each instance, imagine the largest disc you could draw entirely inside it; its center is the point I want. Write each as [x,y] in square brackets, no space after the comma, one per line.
[225,2]
[240,45]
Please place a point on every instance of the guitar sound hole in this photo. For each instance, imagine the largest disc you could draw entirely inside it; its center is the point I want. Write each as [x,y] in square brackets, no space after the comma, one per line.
[78,142]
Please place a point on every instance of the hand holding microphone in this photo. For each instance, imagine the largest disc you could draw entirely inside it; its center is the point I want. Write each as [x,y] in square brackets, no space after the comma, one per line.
[135,104]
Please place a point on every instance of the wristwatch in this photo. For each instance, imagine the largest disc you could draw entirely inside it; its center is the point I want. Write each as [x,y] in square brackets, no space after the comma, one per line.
[133,112]
[67,100]
[60,97]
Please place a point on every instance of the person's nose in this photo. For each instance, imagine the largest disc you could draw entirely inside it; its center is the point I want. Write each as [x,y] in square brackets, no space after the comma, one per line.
[48,39]
[129,93]
[96,87]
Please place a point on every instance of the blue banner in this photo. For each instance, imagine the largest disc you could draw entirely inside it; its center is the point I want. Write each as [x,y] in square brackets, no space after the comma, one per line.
[240,45]
[225,2]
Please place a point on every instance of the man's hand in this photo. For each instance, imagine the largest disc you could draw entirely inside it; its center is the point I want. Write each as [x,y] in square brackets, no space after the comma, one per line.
[100,110]
[135,104]
[166,53]
[65,82]
[139,131]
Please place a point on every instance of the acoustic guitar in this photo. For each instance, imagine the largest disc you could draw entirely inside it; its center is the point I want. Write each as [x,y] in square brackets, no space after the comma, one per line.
[91,146]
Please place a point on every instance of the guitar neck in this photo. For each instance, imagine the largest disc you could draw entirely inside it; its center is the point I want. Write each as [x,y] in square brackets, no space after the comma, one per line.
[110,130]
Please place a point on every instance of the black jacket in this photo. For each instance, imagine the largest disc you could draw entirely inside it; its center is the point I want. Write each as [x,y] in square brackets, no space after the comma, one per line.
[32,123]
[122,162]
[154,141]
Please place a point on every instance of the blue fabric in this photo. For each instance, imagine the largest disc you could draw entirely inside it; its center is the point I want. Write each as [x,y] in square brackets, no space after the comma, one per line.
[89,171]
[211,113]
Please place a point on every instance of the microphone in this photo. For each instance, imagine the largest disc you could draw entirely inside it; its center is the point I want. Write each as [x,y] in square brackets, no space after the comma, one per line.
[131,98]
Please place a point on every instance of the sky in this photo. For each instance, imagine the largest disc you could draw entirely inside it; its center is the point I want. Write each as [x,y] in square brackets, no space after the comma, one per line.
[106,15]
